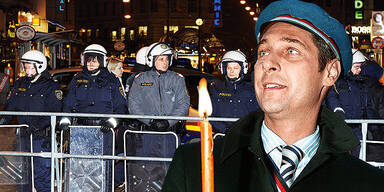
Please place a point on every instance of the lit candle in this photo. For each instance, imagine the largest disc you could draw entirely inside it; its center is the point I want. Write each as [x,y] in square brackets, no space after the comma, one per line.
[205,110]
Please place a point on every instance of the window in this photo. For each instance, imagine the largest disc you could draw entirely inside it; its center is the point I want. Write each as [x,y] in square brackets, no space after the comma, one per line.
[192,6]
[131,34]
[142,6]
[172,5]
[97,33]
[122,33]
[114,35]
[143,30]
[114,9]
[328,3]
[154,6]
[89,33]
[105,8]
[172,29]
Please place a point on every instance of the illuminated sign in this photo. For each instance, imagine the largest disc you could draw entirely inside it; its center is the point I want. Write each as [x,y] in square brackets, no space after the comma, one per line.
[377,23]
[61,5]
[360,30]
[217,11]
[359,9]
[11,30]
[25,33]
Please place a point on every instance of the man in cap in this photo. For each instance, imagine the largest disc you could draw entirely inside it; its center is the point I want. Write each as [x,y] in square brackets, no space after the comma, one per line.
[293,144]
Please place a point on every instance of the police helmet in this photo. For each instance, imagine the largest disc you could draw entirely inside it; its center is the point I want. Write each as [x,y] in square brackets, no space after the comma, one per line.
[358,57]
[157,49]
[36,58]
[234,56]
[97,50]
[140,56]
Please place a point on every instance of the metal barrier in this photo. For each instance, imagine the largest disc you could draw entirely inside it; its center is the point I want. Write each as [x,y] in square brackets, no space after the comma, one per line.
[54,155]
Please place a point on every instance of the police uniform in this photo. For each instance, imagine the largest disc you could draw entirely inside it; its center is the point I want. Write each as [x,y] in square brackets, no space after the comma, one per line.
[101,93]
[154,94]
[43,95]
[231,99]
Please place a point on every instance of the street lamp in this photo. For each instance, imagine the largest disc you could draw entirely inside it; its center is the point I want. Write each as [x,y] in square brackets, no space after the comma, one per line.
[199,22]
[242,2]
[252,13]
[247,8]
[127,16]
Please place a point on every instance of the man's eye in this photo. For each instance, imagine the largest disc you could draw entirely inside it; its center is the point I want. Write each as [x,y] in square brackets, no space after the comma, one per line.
[293,51]
[263,53]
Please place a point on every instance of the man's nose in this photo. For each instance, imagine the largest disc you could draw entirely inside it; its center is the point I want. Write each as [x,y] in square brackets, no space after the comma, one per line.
[270,64]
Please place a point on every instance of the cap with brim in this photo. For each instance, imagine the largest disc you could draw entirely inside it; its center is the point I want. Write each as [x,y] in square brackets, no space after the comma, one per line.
[313,19]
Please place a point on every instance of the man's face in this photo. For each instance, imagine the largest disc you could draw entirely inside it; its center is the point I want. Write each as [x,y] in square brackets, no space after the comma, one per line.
[356,68]
[119,70]
[287,77]
[162,62]
[93,64]
[233,70]
[30,69]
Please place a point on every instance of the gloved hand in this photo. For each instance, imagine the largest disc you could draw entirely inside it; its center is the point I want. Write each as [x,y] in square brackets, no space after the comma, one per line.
[26,131]
[159,125]
[64,126]
[340,114]
[106,126]
[134,125]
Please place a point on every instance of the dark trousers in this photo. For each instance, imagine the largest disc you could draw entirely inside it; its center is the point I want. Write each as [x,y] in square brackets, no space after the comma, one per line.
[42,166]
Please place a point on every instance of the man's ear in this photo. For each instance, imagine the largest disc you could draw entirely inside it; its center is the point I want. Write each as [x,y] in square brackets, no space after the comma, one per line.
[332,72]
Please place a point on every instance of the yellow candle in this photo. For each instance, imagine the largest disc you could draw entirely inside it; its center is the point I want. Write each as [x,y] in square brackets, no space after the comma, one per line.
[205,109]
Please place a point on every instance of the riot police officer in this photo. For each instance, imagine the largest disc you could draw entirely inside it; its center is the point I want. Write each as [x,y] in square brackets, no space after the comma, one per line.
[158,92]
[233,97]
[140,66]
[95,90]
[352,97]
[35,92]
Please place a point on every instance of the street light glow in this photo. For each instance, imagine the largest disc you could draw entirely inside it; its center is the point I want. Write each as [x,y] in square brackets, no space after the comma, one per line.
[126,1]
[127,16]
[255,18]
[247,8]
[242,2]
[199,22]
[251,13]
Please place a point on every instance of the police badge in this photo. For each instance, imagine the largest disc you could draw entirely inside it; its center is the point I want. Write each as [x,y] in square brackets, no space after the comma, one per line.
[59,94]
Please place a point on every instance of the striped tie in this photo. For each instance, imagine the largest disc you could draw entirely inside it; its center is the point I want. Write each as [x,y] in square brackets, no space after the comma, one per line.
[291,156]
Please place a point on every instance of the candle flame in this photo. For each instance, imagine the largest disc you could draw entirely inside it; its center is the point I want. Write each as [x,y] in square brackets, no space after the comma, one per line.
[205,105]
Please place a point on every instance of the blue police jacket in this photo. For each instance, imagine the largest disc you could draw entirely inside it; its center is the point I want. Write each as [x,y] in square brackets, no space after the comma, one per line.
[43,95]
[231,100]
[101,93]
[351,94]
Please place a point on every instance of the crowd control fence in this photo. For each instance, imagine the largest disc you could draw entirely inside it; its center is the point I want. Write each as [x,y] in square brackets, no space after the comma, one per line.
[59,175]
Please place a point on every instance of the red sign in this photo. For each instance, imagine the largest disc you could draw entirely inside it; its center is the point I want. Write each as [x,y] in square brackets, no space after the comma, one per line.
[119,46]
[377,43]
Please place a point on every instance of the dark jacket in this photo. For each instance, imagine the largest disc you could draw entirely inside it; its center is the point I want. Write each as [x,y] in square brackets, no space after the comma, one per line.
[353,94]
[231,99]
[95,94]
[240,162]
[43,95]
